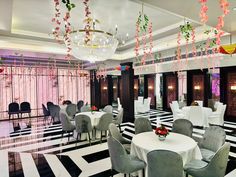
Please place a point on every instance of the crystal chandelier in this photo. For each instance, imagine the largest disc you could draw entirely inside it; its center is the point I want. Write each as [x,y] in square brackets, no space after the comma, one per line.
[93,44]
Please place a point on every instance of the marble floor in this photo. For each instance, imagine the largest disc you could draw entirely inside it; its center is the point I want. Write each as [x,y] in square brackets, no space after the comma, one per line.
[29,148]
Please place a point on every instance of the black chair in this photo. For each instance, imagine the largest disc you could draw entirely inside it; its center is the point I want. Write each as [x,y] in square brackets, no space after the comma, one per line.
[25,108]
[80,104]
[13,108]
[46,113]
[48,105]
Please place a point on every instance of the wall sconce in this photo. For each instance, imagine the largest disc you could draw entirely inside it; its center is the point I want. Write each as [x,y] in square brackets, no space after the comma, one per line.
[114,87]
[197,87]
[150,87]
[104,88]
[233,87]
[170,87]
[135,87]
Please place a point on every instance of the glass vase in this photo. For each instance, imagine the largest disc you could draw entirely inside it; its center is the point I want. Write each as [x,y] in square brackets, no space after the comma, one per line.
[162,137]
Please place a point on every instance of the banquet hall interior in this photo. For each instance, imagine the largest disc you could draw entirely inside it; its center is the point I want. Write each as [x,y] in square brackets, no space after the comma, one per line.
[98,88]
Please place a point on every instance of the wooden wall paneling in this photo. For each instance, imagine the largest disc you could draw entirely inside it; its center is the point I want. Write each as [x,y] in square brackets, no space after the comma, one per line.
[115,88]
[136,87]
[110,89]
[104,92]
[95,90]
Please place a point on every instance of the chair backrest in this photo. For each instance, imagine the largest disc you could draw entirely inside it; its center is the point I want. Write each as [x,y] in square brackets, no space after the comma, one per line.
[219,108]
[223,114]
[142,125]
[25,106]
[200,103]
[211,103]
[13,107]
[85,108]
[119,105]
[71,110]
[118,155]
[140,99]
[49,104]
[79,105]
[104,121]
[45,111]
[114,132]
[175,105]
[183,126]
[108,109]
[65,122]
[55,111]
[147,101]
[196,115]
[83,123]
[119,117]
[164,163]
[213,138]
[217,166]
[217,103]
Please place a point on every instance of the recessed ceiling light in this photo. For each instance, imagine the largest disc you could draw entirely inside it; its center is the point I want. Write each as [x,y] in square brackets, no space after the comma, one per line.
[234,8]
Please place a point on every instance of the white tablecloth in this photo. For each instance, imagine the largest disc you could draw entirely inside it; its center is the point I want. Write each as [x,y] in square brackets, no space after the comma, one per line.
[95,117]
[145,142]
[206,113]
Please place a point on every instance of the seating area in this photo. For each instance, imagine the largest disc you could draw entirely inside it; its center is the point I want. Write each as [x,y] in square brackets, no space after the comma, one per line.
[136,88]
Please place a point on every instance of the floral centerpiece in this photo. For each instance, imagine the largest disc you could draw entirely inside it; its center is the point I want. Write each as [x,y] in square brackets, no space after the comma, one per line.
[162,132]
[93,108]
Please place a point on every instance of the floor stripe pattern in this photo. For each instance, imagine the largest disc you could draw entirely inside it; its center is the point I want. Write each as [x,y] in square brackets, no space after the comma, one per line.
[34,149]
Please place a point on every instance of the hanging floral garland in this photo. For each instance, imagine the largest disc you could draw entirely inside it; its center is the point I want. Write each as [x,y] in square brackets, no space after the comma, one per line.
[88,22]
[224,5]
[203,12]
[56,20]
[143,30]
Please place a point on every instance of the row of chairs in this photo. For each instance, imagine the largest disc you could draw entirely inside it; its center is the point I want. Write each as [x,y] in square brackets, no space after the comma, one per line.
[83,124]
[15,108]
[214,150]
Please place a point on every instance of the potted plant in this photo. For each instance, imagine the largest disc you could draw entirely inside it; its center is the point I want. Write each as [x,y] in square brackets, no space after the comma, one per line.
[162,132]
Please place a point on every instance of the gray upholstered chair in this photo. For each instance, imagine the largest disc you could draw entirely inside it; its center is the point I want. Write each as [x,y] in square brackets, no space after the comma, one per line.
[183,126]
[55,113]
[142,125]
[108,109]
[120,160]
[103,124]
[215,168]
[79,105]
[71,110]
[114,132]
[85,108]
[213,139]
[67,126]
[119,118]
[83,125]
[164,163]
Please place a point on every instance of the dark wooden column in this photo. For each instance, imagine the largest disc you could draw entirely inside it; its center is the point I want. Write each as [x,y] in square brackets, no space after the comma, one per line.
[95,90]
[170,89]
[127,94]
[149,89]
[110,89]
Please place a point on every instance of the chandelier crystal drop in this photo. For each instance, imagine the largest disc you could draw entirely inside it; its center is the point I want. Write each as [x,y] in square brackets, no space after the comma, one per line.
[93,44]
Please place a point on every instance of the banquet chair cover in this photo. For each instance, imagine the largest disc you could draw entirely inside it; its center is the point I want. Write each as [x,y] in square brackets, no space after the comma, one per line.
[176,114]
[183,126]
[196,115]
[164,163]
[120,160]
[119,104]
[200,103]
[217,118]
[142,125]
[215,168]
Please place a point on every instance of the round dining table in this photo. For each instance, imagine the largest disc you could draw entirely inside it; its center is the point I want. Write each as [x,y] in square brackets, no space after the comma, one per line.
[146,142]
[94,117]
[206,113]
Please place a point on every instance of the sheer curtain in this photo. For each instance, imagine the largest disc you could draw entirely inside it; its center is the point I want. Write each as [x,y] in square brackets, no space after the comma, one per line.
[40,85]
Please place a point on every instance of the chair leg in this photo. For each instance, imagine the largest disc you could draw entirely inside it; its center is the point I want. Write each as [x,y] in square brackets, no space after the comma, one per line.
[186,174]
[19,116]
[9,116]
[68,136]
[119,127]
[143,172]
[89,138]
[124,175]
[101,137]
[62,134]
[77,137]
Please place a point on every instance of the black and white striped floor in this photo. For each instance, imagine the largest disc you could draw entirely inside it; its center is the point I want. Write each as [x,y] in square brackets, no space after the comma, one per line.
[39,150]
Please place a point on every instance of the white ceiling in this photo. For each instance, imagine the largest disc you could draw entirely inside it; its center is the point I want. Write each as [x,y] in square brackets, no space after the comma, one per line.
[25,25]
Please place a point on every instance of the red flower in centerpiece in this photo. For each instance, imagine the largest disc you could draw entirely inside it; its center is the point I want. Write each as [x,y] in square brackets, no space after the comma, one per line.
[94,108]
[162,131]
